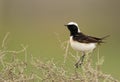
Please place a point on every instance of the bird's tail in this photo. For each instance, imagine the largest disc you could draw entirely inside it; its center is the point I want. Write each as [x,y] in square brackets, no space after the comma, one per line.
[101,39]
[105,37]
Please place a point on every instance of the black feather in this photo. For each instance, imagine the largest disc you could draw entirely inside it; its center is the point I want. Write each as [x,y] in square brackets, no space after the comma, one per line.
[80,37]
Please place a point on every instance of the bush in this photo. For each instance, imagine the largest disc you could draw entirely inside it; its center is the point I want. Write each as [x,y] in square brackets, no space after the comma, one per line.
[15,69]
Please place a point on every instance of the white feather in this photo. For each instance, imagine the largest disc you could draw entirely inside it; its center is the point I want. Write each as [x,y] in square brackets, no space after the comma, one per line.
[83,47]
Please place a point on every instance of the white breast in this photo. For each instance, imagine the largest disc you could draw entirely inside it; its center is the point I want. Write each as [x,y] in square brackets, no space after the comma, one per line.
[83,47]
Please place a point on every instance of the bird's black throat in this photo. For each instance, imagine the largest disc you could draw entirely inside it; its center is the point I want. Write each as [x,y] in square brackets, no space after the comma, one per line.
[73,29]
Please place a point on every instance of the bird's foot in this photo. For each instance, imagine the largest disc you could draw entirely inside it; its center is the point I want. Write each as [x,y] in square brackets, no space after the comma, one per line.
[79,63]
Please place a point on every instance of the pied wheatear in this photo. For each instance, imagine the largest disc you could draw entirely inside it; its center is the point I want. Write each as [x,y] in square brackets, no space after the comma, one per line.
[81,42]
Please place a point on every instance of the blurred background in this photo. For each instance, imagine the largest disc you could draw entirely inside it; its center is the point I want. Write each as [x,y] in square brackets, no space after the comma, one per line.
[36,22]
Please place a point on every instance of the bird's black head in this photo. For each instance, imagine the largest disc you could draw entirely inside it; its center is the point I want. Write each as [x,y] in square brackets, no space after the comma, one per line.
[73,28]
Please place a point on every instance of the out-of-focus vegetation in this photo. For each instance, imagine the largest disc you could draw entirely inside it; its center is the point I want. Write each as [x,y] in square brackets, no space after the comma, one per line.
[35,70]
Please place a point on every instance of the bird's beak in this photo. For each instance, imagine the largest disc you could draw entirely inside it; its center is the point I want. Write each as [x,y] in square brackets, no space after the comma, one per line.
[65,25]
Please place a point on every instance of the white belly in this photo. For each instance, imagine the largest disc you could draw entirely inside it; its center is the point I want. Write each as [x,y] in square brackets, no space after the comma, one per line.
[88,47]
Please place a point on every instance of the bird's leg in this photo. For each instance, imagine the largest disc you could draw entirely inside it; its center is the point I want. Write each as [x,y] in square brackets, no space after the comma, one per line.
[77,64]
[80,61]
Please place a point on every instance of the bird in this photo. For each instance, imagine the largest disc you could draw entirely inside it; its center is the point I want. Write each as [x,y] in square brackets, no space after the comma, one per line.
[82,42]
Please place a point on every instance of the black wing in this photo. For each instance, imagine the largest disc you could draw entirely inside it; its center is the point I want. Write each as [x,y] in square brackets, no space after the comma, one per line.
[80,37]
